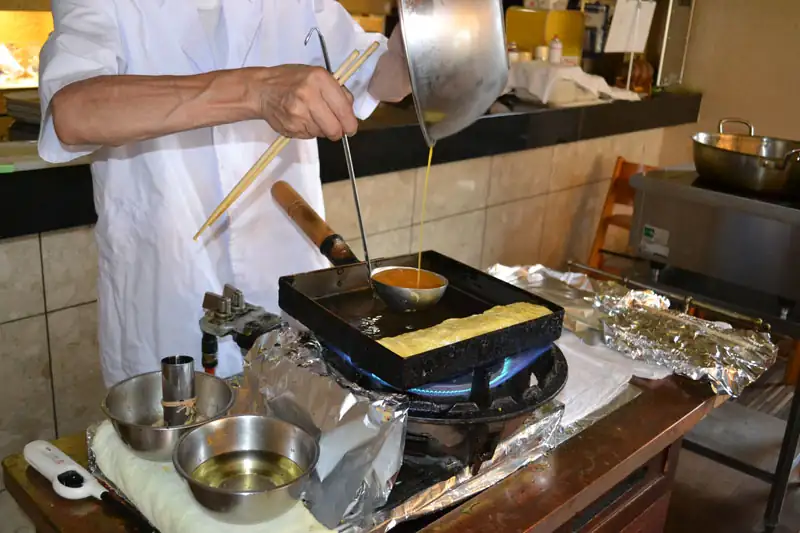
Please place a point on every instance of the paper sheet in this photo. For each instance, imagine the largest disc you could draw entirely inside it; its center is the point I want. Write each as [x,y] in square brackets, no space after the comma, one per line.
[629,30]
[158,492]
[597,375]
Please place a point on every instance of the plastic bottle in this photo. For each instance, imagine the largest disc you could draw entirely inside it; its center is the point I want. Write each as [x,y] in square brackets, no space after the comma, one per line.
[555,51]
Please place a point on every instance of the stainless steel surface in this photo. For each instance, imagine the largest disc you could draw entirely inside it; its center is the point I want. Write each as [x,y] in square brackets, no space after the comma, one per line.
[730,237]
[177,389]
[347,155]
[244,434]
[687,301]
[748,162]
[134,408]
[457,60]
[403,299]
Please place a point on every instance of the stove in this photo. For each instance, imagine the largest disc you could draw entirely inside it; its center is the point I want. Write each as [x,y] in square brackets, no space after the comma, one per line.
[709,236]
[466,417]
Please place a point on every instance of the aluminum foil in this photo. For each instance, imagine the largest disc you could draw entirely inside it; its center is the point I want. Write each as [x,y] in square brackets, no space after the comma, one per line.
[361,433]
[532,440]
[573,291]
[295,383]
[640,325]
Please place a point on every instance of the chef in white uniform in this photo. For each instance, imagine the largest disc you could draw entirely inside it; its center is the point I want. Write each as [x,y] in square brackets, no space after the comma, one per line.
[175,100]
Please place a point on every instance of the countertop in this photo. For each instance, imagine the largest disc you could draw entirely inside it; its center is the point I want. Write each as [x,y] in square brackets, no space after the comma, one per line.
[543,497]
[59,197]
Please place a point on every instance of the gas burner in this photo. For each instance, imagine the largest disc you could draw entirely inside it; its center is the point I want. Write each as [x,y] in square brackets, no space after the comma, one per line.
[518,384]
[466,417]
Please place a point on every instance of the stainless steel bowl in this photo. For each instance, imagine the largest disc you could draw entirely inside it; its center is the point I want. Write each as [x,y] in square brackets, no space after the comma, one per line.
[404,299]
[134,406]
[246,497]
[457,60]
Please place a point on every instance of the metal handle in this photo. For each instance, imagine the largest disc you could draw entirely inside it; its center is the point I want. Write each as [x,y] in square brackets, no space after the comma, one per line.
[790,158]
[348,159]
[741,121]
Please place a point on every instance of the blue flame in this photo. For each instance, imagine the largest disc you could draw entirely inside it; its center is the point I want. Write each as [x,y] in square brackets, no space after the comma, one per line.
[462,386]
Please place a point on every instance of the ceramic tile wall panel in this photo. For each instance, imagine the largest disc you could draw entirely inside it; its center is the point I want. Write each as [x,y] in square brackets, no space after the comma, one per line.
[21,288]
[386,201]
[77,379]
[26,392]
[513,232]
[69,258]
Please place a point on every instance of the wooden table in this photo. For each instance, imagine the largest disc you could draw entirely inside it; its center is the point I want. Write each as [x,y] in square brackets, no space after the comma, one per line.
[615,476]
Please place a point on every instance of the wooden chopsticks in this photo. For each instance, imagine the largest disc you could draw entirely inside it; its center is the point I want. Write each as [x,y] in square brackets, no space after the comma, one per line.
[350,66]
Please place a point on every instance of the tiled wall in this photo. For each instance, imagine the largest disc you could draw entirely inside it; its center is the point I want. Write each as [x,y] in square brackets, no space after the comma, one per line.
[528,207]
[48,337]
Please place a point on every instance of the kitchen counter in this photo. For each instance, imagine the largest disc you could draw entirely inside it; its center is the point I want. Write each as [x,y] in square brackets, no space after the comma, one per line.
[615,476]
[53,198]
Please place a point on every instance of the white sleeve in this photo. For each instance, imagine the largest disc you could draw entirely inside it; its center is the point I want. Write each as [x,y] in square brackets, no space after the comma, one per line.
[342,36]
[84,44]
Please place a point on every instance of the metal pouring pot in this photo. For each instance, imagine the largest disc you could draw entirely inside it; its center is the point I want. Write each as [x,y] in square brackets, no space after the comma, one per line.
[746,162]
[457,61]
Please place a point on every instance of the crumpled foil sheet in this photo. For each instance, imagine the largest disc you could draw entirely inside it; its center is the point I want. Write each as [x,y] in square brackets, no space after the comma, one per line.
[640,324]
[532,440]
[361,433]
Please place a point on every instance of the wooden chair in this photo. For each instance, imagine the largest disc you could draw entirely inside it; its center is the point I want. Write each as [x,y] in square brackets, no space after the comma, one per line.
[619,193]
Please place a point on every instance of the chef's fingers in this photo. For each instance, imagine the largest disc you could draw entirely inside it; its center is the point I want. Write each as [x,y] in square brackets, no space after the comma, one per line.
[325,120]
[340,102]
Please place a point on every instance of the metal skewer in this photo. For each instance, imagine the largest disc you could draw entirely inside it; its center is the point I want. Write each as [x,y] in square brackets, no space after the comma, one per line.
[347,155]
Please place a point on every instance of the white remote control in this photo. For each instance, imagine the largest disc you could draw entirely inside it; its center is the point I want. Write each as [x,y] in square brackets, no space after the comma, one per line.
[70,480]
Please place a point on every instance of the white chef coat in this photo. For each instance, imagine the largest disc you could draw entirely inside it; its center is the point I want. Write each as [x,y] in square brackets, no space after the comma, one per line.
[152,196]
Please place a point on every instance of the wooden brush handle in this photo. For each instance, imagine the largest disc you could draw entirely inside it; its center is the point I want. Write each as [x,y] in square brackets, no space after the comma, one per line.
[301,213]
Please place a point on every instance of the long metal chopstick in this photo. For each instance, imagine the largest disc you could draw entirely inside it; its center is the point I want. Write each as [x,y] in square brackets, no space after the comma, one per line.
[345,72]
[347,156]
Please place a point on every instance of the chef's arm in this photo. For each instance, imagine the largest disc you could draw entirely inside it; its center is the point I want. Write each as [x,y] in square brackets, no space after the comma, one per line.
[297,101]
[390,81]
[115,110]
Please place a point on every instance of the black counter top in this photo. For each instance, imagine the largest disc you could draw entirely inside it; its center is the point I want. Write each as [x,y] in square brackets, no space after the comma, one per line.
[389,141]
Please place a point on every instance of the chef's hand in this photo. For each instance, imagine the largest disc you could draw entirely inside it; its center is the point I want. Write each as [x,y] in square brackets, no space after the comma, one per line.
[304,102]
[391,82]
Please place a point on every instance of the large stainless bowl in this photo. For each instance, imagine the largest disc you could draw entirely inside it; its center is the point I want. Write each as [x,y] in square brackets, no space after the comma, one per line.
[457,59]
[748,162]
[134,407]
[245,496]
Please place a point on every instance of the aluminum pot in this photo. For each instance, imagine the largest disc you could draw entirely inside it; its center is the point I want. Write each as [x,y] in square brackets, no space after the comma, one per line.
[457,60]
[246,497]
[748,162]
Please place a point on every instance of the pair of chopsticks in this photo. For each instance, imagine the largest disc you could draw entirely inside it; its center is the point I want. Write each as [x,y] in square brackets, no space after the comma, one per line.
[351,65]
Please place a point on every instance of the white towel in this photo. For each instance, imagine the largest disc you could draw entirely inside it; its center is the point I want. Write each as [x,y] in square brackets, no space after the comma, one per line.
[561,84]
[164,498]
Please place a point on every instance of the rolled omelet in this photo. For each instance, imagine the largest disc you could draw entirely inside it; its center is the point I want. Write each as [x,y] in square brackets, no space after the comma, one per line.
[458,329]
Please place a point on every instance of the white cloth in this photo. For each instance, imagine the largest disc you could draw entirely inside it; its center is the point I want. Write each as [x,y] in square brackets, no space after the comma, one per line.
[152,196]
[597,375]
[561,84]
[158,492]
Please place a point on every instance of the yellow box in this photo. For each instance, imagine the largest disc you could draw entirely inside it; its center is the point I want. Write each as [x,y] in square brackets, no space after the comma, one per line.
[529,28]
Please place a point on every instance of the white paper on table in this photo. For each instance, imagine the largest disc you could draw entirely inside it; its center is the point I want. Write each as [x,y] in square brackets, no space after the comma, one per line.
[164,498]
[596,375]
[629,33]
